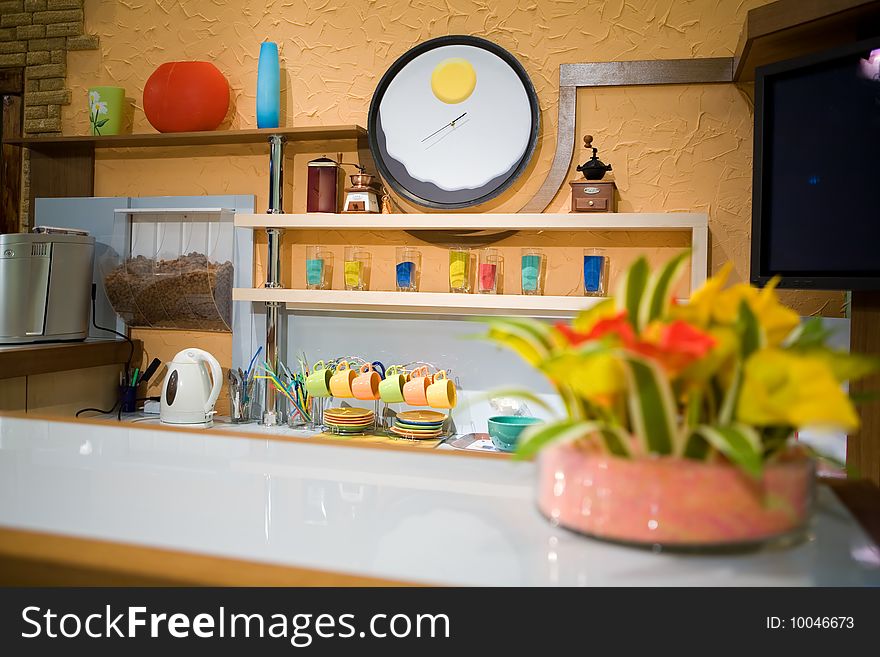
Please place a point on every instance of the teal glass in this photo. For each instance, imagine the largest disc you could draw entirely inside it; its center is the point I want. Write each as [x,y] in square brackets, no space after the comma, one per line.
[314,271]
[319,268]
[532,265]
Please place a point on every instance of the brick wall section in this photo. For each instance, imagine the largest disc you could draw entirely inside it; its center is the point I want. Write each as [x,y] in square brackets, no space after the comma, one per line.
[36,35]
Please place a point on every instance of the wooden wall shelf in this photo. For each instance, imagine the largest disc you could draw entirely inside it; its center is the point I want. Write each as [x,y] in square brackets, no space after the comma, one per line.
[43,358]
[204,138]
[792,28]
[65,166]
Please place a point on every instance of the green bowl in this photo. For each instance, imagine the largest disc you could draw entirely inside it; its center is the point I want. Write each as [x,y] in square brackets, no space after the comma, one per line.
[504,430]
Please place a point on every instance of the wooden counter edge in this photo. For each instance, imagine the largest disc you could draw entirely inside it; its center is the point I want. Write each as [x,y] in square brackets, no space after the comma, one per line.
[253,435]
[29,558]
[28,360]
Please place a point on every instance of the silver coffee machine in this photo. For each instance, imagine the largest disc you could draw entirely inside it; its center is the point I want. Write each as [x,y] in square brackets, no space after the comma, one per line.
[45,286]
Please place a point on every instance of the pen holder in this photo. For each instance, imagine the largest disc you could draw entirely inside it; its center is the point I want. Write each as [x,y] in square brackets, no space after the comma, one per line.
[128,398]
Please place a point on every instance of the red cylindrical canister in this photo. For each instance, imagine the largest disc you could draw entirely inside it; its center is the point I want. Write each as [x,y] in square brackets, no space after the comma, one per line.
[323,186]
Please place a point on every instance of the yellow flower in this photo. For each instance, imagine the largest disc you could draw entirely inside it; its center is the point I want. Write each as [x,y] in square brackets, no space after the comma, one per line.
[591,375]
[711,304]
[698,310]
[776,320]
[791,389]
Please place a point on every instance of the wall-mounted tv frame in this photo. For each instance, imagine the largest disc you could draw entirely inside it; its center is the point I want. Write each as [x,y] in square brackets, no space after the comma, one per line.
[761,272]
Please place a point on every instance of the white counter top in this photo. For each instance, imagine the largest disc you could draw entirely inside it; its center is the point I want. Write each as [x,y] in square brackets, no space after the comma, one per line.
[418,516]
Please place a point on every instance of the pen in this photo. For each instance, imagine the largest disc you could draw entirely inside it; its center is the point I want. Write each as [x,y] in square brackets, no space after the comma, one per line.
[134,377]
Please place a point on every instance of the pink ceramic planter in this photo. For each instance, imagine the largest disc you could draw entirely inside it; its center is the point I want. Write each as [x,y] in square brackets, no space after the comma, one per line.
[675,503]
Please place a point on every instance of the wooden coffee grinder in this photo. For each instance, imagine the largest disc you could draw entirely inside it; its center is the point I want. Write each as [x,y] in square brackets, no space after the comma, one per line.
[593,194]
[363,195]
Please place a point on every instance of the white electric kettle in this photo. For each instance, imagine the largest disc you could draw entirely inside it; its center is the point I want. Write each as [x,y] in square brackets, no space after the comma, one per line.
[188,394]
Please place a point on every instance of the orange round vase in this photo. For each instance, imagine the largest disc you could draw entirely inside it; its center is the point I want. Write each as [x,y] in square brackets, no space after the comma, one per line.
[675,503]
[186,97]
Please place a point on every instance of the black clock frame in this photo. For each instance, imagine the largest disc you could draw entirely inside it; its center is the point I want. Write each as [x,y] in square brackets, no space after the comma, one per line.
[406,58]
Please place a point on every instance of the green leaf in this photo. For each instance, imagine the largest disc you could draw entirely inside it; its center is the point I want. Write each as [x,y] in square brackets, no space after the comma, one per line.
[615,440]
[846,366]
[530,339]
[737,442]
[538,436]
[586,319]
[655,303]
[751,335]
[696,447]
[864,396]
[516,393]
[632,288]
[811,333]
[731,397]
[651,405]
[101,123]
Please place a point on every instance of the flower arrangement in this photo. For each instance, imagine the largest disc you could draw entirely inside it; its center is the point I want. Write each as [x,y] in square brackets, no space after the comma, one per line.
[728,376]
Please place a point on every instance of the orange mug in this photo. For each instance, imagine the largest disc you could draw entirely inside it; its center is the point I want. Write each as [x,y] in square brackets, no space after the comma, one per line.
[441,393]
[340,382]
[415,391]
[366,386]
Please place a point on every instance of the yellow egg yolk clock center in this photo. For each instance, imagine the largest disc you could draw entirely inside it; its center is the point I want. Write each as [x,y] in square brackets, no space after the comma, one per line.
[453,80]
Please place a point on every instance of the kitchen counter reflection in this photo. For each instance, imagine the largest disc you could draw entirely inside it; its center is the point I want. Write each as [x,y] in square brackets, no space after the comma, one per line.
[394,514]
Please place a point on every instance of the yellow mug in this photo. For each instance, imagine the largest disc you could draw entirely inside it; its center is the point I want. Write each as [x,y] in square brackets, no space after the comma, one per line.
[441,393]
[340,383]
[366,385]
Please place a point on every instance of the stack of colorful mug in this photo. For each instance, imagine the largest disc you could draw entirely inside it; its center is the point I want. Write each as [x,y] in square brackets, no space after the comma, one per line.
[416,387]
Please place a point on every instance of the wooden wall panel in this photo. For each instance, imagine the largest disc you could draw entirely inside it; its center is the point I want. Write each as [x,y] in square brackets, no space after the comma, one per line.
[13,394]
[64,393]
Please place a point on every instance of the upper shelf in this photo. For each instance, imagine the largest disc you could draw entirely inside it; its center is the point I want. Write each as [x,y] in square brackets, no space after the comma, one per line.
[173,211]
[653,221]
[205,138]
[790,28]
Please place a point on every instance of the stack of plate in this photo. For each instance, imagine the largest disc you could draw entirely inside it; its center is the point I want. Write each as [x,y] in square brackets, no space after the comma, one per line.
[348,419]
[418,425]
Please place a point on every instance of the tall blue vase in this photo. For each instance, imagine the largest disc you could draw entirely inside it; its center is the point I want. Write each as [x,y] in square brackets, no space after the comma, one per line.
[268,86]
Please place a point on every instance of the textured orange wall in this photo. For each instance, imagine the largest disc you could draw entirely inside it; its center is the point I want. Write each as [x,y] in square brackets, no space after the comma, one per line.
[673,148]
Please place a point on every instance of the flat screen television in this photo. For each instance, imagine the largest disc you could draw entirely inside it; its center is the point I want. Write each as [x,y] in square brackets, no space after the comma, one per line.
[816,193]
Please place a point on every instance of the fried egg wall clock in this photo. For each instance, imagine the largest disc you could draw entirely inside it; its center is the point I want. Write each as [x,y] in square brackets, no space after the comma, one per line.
[453,122]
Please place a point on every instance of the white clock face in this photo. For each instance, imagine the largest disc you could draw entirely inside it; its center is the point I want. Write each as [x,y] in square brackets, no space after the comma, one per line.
[453,122]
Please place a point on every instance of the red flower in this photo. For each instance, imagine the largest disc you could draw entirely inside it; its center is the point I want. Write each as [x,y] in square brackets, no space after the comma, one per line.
[615,325]
[677,345]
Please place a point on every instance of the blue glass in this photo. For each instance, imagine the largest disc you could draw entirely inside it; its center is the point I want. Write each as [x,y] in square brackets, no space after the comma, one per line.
[268,86]
[594,267]
[405,272]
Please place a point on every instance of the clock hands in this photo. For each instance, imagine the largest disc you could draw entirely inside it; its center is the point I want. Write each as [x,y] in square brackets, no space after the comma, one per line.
[448,125]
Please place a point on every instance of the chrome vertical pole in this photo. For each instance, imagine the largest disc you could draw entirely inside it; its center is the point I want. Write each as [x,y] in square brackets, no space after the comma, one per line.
[271,416]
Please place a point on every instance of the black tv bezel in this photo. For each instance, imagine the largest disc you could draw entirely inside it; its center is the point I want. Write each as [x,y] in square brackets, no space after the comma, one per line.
[806,280]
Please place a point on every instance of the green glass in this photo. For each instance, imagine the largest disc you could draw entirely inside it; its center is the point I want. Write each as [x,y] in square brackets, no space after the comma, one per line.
[106,110]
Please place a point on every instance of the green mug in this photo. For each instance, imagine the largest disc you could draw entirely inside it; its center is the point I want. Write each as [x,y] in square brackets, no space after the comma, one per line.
[318,381]
[391,387]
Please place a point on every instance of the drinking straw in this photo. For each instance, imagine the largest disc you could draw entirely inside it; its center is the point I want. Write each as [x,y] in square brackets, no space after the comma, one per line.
[247,373]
